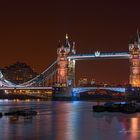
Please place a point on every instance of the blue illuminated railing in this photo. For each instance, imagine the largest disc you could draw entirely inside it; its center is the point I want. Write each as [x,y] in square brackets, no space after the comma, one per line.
[77,90]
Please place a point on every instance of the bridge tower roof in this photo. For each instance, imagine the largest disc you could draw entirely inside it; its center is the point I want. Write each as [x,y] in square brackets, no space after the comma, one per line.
[137,38]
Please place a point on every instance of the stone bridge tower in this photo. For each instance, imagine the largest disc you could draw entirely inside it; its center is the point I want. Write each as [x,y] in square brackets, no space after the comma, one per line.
[65,67]
[134,49]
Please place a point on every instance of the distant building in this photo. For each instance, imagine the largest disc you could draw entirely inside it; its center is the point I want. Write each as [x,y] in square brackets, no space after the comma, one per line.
[92,82]
[83,82]
[86,82]
[18,73]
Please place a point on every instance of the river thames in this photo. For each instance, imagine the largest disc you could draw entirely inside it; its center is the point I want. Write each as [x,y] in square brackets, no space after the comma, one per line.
[67,121]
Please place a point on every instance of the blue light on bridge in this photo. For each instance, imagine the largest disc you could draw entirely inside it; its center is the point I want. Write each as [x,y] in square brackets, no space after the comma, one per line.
[85,89]
[74,94]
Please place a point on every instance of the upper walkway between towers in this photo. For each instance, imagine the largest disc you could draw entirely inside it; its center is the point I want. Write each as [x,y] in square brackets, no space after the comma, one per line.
[100,55]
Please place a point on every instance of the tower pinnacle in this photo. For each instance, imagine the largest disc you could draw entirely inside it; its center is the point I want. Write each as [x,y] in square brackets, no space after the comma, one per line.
[67,43]
[138,37]
[67,36]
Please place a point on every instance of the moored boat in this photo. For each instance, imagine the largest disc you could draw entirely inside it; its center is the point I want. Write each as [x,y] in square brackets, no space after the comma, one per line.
[21,112]
[1,114]
[124,107]
[129,108]
[114,106]
[27,112]
[10,113]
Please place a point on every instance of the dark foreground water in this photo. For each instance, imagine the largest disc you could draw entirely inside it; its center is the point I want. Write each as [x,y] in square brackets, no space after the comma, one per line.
[67,121]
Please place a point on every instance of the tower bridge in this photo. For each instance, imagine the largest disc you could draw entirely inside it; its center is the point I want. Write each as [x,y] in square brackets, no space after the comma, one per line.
[62,71]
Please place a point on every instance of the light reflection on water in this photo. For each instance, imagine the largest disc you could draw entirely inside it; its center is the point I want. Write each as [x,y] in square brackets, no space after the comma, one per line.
[67,121]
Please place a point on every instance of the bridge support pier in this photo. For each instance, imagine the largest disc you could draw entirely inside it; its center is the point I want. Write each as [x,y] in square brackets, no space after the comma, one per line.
[64,93]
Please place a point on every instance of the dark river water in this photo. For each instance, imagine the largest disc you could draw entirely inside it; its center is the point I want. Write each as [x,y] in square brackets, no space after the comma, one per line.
[67,121]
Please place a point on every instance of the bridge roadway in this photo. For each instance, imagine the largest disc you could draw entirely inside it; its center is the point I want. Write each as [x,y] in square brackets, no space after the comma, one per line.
[84,89]
[100,55]
[75,90]
[26,88]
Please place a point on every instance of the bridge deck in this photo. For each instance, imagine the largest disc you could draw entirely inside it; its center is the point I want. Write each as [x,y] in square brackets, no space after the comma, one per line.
[26,88]
[84,89]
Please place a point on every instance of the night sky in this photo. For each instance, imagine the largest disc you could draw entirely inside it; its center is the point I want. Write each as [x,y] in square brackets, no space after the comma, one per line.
[30,31]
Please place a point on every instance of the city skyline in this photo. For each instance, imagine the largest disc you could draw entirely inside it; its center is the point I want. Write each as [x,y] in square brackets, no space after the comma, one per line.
[70,70]
[30,33]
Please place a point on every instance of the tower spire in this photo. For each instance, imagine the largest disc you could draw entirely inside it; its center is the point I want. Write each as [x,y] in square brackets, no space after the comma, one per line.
[66,43]
[138,36]
[73,48]
[59,43]
[66,37]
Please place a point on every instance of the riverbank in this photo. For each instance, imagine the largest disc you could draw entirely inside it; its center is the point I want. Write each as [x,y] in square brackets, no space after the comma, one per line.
[19,96]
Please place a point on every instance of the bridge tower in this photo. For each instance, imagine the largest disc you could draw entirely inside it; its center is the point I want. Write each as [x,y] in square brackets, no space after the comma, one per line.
[134,48]
[66,68]
[71,68]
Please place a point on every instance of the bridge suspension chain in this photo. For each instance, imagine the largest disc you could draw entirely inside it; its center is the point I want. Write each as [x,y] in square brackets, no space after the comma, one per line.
[45,75]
